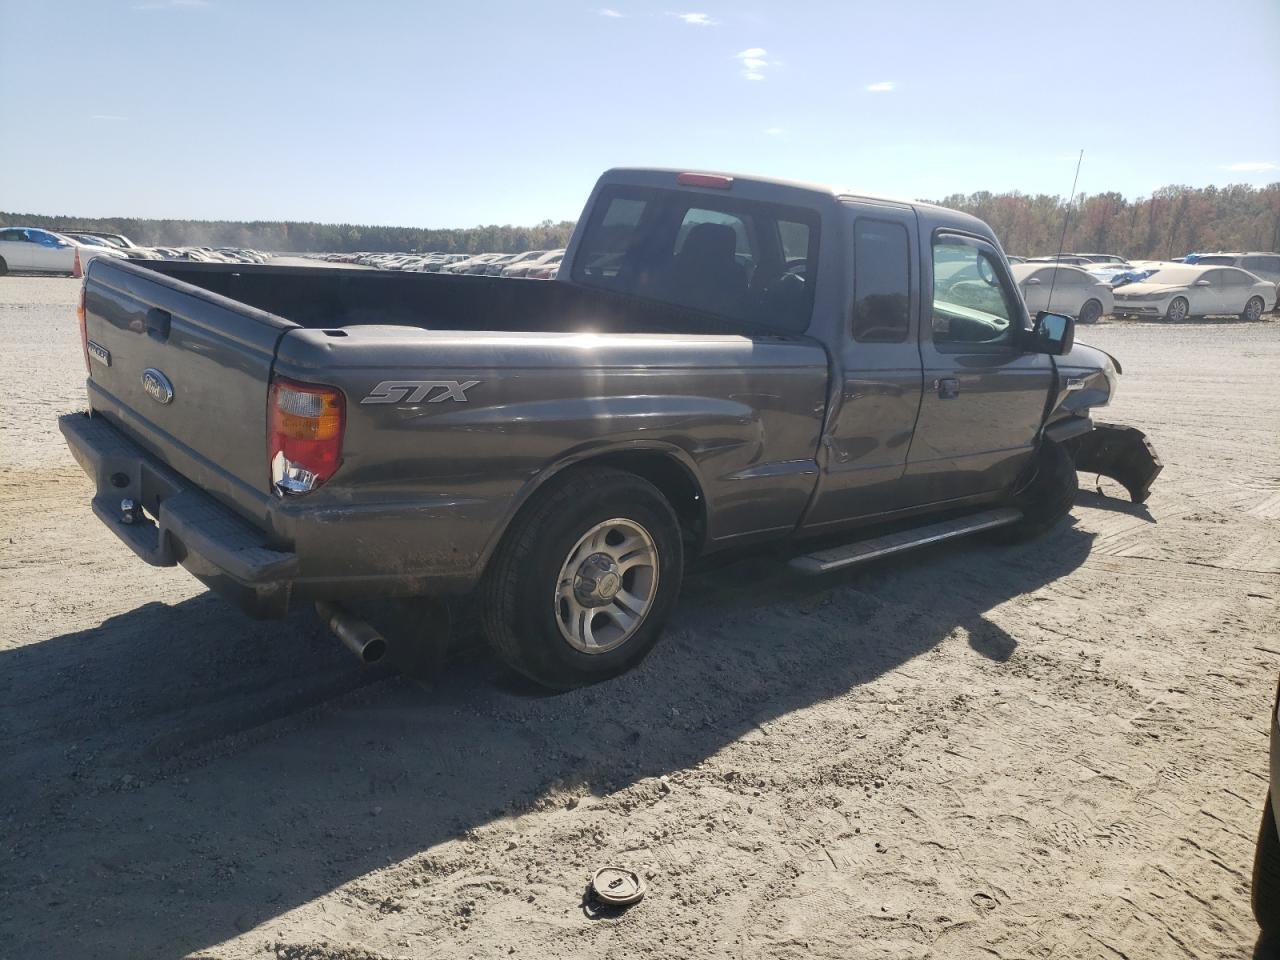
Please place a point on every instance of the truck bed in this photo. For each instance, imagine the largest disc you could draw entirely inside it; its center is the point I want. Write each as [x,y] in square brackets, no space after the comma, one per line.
[334,297]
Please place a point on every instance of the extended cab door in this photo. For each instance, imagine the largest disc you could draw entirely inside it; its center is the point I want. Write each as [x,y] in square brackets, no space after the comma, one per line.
[874,412]
[984,397]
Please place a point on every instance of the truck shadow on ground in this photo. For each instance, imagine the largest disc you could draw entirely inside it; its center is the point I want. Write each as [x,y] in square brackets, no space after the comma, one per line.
[178,775]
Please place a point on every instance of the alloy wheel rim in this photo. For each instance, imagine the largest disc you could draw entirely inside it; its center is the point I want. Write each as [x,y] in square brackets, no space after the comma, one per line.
[607,585]
[1178,310]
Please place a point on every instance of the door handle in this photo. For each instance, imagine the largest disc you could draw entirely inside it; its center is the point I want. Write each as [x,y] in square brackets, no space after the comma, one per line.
[948,387]
[158,322]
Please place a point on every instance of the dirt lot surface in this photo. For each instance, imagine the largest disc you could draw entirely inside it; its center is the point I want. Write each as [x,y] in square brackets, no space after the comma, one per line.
[1053,750]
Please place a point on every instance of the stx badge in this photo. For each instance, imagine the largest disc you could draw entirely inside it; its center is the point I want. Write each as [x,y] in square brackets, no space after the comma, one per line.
[415,391]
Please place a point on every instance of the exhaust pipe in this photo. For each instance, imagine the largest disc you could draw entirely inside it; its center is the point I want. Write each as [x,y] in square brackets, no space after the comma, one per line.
[356,635]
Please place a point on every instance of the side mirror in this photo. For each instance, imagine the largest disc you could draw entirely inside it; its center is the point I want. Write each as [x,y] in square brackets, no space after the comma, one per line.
[1202,283]
[1052,333]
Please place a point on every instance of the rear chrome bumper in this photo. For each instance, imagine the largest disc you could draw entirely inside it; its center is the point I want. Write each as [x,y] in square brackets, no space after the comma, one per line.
[166,520]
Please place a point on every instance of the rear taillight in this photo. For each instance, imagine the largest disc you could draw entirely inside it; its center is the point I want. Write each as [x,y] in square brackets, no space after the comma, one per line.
[83,319]
[304,435]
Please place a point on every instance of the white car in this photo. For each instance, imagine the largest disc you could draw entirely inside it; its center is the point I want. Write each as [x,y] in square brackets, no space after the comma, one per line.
[1075,291]
[548,269]
[32,250]
[521,268]
[1179,291]
[1264,265]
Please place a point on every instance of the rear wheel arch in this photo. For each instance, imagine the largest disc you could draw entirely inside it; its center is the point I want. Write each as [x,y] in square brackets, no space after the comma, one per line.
[666,468]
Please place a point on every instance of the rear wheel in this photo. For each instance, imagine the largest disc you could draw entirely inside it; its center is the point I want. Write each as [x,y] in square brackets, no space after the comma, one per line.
[1266,875]
[582,585]
[4,267]
[1046,498]
[1178,310]
[1090,312]
[1253,309]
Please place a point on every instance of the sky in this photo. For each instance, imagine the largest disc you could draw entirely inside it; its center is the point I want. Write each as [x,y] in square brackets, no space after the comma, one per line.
[436,114]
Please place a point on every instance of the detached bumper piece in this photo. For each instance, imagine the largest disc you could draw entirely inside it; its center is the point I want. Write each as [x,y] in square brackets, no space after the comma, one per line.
[1122,453]
[166,521]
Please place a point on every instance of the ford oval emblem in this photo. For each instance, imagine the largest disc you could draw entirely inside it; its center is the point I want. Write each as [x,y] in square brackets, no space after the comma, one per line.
[157,385]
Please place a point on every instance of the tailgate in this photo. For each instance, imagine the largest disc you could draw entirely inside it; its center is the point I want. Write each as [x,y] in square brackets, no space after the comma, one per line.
[185,374]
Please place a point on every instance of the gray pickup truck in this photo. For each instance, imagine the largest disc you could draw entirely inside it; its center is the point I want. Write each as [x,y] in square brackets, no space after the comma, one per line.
[723,361]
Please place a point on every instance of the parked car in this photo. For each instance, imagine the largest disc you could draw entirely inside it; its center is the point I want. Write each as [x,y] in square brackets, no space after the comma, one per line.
[1266,860]
[567,478]
[1070,258]
[115,240]
[32,250]
[476,264]
[1101,258]
[495,266]
[547,269]
[1075,291]
[1264,265]
[1013,259]
[539,258]
[525,258]
[1181,291]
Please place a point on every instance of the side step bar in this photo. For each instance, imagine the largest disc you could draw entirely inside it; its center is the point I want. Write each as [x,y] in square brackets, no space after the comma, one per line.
[860,551]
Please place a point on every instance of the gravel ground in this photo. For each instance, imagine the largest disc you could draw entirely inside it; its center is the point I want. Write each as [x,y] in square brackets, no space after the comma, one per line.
[1055,750]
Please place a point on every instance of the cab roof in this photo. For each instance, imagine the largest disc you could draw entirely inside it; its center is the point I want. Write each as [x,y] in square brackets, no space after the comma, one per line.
[934,214]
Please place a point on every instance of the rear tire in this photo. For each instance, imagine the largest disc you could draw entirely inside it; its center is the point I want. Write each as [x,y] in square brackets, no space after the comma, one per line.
[1090,312]
[1047,498]
[4,267]
[1253,310]
[1179,310]
[1266,876]
[584,580]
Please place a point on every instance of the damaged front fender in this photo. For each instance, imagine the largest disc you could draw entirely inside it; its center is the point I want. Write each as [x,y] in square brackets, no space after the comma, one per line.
[1122,453]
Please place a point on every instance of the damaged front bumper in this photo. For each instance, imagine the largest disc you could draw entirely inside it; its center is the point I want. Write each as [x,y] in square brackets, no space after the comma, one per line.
[1122,453]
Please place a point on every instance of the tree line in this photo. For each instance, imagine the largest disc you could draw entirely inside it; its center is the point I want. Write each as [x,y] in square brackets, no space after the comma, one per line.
[1172,221]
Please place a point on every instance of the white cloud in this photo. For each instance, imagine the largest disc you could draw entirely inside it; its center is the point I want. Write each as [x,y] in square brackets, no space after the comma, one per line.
[107,116]
[697,19]
[884,86]
[753,62]
[609,12]
[775,131]
[1254,166]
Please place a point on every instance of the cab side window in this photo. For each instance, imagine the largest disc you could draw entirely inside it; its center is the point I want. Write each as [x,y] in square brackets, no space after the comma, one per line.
[881,281]
[972,302]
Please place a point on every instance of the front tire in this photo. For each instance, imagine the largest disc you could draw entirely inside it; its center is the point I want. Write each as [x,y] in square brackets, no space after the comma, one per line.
[1090,312]
[584,580]
[1253,310]
[1179,310]
[1266,876]
[1046,498]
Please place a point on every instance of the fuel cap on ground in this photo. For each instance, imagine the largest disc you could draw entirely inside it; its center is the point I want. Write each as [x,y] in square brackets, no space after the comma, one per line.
[617,887]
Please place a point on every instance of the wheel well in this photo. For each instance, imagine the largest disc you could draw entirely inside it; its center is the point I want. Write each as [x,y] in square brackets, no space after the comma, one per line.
[674,481]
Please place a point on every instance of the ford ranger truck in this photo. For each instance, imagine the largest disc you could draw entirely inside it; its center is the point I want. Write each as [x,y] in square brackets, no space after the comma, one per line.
[723,361]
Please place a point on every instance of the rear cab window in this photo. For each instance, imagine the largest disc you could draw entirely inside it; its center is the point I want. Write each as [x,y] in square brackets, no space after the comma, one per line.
[743,260]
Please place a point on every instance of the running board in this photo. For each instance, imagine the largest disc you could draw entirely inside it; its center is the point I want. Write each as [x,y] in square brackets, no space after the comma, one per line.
[860,551]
